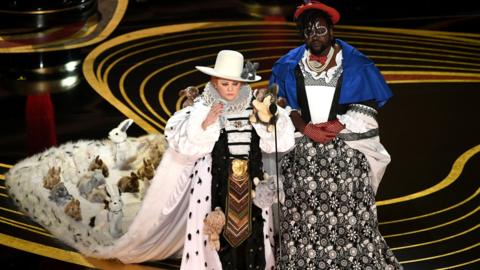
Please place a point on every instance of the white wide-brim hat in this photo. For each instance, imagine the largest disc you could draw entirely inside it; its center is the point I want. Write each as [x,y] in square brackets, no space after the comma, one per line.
[229,65]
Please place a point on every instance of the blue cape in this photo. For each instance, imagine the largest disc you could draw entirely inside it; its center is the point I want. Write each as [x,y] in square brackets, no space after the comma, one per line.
[362,81]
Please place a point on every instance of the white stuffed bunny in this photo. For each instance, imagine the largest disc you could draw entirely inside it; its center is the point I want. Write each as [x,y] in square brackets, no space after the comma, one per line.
[123,150]
[115,210]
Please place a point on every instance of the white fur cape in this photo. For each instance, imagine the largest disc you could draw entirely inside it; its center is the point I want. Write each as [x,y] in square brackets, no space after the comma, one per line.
[152,227]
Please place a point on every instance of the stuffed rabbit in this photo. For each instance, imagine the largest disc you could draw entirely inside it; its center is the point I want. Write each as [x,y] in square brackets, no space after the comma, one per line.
[191,93]
[212,227]
[147,171]
[90,181]
[72,209]
[98,164]
[264,108]
[115,210]
[51,178]
[250,70]
[123,150]
[59,194]
[265,193]
[129,183]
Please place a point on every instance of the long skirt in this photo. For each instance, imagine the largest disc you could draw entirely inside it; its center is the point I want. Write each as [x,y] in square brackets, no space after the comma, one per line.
[329,218]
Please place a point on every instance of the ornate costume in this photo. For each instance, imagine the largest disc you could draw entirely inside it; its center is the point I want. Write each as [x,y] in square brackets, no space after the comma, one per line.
[220,179]
[329,218]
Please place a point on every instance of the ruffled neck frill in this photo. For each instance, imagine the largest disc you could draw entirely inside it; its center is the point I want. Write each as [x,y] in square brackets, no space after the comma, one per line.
[211,96]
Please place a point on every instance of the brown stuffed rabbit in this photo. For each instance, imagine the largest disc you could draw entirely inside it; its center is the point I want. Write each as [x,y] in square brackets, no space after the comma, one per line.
[212,227]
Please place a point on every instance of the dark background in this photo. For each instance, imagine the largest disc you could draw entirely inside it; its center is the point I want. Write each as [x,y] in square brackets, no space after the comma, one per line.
[81,113]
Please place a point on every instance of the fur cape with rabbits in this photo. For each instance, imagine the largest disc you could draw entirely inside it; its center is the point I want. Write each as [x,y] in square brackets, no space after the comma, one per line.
[88,192]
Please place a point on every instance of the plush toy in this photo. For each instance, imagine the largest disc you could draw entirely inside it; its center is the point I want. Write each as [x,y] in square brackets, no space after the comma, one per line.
[124,150]
[98,164]
[72,209]
[190,93]
[129,183]
[250,70]
[264,107]
[59,194]
[265,193]
[89,182]
[146,171]
[51,178]
[212,227]
[156,153]
[150,148]
[97,195]
[115,210]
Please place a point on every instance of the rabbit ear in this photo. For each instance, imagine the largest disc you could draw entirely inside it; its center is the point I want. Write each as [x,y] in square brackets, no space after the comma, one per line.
[112,190]
[125,125]
[108,190]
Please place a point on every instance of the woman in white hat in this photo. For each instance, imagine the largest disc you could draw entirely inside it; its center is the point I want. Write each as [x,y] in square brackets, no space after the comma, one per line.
[225,229]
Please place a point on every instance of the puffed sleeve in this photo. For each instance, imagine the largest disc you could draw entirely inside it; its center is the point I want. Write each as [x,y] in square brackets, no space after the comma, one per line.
[285,134]
[359,118]
[185,134]
[361,133]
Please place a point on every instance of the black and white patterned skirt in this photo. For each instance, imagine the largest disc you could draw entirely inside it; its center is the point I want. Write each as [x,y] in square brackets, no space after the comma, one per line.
[329,218]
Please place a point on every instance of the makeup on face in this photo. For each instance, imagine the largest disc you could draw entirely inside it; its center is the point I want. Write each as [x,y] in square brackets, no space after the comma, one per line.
[227,89]
[315,29]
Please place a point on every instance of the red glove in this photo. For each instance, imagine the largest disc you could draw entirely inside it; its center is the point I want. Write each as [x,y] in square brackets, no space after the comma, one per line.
[334,126]
[323,132]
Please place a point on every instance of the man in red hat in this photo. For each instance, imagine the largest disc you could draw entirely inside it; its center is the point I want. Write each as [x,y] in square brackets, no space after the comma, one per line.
[333,93]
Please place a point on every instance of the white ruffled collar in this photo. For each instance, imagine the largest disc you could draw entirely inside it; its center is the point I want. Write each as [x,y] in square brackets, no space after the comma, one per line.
[210,96]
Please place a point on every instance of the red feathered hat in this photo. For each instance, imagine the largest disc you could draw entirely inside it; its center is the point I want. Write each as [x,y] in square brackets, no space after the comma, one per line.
[333,13]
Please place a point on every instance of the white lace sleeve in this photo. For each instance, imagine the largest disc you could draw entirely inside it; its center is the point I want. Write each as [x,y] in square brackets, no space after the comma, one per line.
[185,134]
[285,134]
[361,133]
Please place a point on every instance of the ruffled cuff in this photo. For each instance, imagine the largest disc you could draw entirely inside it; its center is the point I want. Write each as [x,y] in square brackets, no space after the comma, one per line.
[359,119]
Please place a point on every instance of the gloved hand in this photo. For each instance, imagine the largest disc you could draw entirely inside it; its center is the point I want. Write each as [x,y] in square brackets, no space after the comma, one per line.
[334,126]
[323,132]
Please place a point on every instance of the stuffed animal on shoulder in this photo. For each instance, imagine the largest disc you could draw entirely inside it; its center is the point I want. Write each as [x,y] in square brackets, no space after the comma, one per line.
[190,93]
[264,107]
[250,70]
